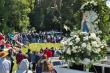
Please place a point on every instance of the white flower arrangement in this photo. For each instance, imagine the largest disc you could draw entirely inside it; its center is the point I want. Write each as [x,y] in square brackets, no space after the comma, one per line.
[82,47]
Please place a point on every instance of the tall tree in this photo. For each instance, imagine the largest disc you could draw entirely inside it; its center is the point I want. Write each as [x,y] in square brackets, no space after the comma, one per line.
[70,13]
[44,16]
[15,14]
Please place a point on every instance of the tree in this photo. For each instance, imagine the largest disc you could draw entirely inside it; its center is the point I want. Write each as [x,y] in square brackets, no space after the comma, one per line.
[104,16]
[70,13]
[72,16]
[43,17]
[15,14]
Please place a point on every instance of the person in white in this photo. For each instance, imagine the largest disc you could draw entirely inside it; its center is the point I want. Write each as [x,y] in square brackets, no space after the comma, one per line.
[23,67]
[5,64]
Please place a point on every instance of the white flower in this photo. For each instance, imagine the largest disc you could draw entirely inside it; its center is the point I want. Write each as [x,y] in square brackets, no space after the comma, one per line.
[97,45]
[76,47]
[74,50]
[104,42]
[98,20]
[68,40]
[82,6]
[94,43]
[102,46]
[64,41]
[98,39]
[89,47]
[75,36]
[70,43]
[86,61]
[85,38]
[100,31]
[68,51]
[93,2]
[83,45]
[84,33]
[92,36]
[77,39]
[96,50]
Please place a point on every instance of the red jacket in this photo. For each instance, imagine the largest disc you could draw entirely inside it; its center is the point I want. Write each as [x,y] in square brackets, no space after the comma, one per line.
[49,53]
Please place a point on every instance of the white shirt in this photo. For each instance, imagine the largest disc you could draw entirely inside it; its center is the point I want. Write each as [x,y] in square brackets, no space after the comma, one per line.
[23,67]
[5,65]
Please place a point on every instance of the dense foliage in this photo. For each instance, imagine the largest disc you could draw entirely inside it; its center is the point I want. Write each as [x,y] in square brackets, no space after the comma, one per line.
[48,14]
[51,14]
[14,13]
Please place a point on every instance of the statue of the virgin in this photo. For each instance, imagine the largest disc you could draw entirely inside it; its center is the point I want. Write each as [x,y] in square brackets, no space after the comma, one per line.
[88,20]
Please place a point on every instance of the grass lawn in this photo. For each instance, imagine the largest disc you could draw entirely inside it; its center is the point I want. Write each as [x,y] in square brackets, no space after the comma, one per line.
[37,47]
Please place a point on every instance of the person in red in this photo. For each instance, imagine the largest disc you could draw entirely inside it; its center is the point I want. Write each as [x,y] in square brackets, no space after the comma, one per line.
[2,41]
[8,45]
[48,52]
[45,51]
[19,57]
[1,37]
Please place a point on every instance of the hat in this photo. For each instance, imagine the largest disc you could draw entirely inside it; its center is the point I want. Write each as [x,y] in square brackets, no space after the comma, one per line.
[3,54]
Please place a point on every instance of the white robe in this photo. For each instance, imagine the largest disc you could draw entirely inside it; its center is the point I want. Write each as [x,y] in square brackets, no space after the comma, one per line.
[23,67]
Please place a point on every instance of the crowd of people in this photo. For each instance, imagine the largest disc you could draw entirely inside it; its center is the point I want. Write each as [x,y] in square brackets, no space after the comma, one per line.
[40,37]
[37,60]
[30,62]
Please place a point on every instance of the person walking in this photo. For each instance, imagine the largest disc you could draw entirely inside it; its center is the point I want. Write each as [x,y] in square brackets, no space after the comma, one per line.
[19,57]
[29,57]
[33,60]
[11,58]
[24,67]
